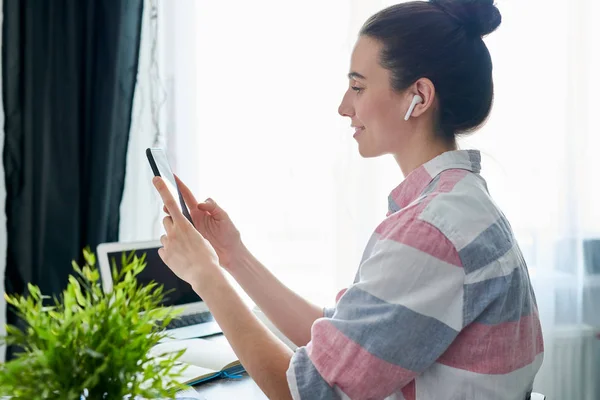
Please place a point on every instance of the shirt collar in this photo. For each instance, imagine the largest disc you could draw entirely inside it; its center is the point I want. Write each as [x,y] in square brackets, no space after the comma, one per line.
[416,182]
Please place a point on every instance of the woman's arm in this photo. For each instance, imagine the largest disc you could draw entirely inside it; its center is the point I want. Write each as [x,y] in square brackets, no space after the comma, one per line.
[192,258]
[291,314]
[264,356]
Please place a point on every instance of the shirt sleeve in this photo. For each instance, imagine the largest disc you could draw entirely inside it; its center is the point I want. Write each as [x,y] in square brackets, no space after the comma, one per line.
[403,312]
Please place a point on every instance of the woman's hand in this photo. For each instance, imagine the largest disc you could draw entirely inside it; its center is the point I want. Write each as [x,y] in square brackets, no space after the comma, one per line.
[194,260]
[214,224]
[185,251]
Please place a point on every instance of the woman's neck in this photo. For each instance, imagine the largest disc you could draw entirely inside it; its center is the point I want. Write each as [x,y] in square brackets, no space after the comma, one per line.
[420,152]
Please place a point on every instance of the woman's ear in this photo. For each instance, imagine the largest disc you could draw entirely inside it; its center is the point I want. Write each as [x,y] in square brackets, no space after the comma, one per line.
[424,88]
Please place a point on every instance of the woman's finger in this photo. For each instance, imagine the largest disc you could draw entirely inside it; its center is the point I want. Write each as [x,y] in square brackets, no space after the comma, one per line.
[163,240]
[161,254]
[213,209]
[168,200]
[187,194]
[168,224]
[165,209]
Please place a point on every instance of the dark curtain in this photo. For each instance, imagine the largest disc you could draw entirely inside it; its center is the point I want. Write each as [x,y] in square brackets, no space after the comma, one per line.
[69,69]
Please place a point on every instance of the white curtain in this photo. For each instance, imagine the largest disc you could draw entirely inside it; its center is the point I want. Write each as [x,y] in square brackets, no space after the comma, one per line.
[540,152]
[162,106]
[252,90]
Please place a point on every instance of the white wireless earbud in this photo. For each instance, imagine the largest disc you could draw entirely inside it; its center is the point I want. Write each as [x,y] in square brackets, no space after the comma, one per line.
[416,100]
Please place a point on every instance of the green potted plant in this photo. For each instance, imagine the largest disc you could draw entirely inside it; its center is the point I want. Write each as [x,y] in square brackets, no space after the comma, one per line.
[88,344]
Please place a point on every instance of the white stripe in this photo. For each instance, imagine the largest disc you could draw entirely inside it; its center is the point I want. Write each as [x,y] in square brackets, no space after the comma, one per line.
[292,383]
[341,394]
[401,274]
[464,213]
[369,247]
[502,266]
[443,382]
[396,396]
[344,396]
[449,160]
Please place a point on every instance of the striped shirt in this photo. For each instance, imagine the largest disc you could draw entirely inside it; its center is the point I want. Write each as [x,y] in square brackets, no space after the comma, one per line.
[441,307]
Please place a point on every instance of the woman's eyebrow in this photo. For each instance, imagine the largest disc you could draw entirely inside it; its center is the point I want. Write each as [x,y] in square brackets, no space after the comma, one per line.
[356,75]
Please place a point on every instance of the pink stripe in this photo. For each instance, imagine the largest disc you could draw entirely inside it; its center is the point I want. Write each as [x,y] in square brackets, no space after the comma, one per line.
[449,179]
[412,186]
[340,294]
[410,391]
[344,363]
[418,180]
[405,227]
[496,349]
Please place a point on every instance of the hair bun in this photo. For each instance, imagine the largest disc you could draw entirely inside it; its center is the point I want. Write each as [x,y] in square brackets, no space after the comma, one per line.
[478,17]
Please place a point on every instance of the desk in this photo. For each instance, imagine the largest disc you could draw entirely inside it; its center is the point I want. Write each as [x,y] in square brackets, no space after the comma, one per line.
[242,388]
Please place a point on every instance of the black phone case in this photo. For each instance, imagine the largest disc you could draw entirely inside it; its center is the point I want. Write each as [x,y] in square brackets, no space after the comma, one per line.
[152,162]
[156,172]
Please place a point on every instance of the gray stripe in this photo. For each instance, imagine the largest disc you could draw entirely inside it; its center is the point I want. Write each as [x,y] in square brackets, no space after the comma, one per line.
[498,300]
[392,332]
[490,245]
[392,206]
[311,384]
[475,158]
[328,312]
[432,185]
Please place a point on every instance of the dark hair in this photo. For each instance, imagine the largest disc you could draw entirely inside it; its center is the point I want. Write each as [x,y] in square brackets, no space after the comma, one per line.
[441,40]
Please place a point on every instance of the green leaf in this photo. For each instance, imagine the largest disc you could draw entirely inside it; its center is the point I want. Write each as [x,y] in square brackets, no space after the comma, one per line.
[88,339]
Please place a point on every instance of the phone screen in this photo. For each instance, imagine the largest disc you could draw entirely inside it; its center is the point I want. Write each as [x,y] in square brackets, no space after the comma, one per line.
[160,166]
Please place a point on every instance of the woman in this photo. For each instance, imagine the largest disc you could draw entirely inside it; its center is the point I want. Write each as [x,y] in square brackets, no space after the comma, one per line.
[442,306]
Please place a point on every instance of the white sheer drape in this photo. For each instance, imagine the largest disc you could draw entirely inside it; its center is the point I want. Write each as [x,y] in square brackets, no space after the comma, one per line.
[540,148]
[253,89]
[140,207]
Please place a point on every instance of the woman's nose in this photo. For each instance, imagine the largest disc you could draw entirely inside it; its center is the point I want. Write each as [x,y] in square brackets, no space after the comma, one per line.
[345,109]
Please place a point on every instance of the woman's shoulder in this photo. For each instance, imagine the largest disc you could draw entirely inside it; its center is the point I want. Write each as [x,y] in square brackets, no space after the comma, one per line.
[462,210]
[462,201]
[469,217]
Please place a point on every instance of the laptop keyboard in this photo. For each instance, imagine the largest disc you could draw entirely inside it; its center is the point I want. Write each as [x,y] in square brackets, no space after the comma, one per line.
[192,319]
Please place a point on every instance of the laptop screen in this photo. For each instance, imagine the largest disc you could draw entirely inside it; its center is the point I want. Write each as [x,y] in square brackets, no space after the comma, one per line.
[180,292]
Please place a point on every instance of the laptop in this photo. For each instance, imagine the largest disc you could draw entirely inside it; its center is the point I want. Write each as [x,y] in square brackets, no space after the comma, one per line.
[193,320]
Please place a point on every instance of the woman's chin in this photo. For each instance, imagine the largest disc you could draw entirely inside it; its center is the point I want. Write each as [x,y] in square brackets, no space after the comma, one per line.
[366,152]
[367,148]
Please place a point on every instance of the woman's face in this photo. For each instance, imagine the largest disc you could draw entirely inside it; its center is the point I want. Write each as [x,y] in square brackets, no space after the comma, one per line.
[375,109]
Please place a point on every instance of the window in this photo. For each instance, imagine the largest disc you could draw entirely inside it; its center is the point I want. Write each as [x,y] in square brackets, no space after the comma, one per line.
[251,117]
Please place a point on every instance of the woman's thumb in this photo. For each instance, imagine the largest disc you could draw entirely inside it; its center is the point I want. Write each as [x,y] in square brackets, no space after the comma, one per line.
[208,205]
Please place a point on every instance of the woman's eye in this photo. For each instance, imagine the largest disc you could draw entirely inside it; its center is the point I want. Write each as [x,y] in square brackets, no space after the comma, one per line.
[356,89]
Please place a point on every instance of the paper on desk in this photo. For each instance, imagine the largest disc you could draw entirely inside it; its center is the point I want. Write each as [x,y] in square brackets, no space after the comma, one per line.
[209,354]
[189,394]
[191,372]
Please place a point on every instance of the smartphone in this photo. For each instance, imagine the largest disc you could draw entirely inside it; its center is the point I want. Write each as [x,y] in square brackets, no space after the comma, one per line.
[160,166]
